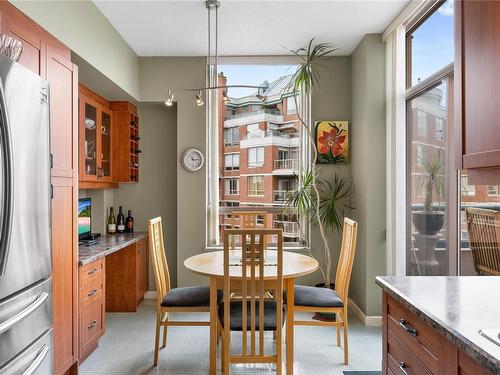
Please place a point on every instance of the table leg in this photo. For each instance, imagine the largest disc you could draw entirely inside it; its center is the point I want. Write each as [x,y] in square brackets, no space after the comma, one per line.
[290,286]
[213,326]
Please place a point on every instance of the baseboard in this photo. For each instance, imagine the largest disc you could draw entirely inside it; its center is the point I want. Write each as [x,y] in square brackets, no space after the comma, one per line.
[374,321]
[150,294]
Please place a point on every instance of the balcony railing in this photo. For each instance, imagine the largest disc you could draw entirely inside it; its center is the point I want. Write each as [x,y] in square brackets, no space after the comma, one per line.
[290,228]
[288,164]
[280,196]
[270,133]
[275,112]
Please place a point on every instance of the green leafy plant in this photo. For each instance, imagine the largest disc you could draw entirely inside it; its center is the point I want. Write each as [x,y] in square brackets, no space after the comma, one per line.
[434,168]
[305,80]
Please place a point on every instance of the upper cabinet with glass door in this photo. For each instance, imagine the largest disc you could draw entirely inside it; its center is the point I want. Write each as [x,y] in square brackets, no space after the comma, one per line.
[477,89]
[95,138]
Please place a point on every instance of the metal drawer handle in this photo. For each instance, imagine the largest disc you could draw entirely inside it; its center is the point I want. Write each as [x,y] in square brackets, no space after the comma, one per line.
[402,367]
[91,272]
[90,294]
[42,353]
[408,328]
[93,324]
[39,300]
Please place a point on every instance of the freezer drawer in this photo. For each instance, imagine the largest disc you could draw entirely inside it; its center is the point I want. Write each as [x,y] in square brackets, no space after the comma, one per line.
[34,360]
[24,318]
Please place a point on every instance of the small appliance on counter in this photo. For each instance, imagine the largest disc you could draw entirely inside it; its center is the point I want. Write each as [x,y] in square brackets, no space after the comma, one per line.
[85,235]
[25,222]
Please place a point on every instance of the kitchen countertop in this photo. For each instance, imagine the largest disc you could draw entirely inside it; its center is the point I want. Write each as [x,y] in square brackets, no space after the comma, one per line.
[107,244]
[458,307]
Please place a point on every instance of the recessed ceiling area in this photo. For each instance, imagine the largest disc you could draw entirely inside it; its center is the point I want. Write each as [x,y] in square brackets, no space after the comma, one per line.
[179,28]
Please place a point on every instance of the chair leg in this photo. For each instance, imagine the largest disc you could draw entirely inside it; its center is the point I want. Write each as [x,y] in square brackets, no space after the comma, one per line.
[346,343]
[338,334]
[226,352]
[222,352]
[157,338]
[165,332]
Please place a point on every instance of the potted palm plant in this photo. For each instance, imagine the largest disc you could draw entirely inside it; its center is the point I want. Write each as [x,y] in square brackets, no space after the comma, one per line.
[323,203]
[430,221]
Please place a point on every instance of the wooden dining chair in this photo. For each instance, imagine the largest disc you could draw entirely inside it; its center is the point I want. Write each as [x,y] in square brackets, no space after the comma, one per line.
[251,313]
[326,300]
[185,300]
[484,236]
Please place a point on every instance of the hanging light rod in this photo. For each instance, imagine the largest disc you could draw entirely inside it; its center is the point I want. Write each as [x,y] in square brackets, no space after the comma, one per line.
[222,87]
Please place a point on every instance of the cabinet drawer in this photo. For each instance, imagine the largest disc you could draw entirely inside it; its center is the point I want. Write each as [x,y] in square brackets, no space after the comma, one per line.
[401,360]
[90,272]
[91,292]
[90,327]
[417,335]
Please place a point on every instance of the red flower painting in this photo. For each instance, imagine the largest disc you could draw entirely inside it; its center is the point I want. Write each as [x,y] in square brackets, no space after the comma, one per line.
[332,141]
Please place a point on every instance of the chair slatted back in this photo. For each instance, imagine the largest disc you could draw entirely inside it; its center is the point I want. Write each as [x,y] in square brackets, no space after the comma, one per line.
[346,259]
[248,220]
[253,289]
[158,258]
[484,236]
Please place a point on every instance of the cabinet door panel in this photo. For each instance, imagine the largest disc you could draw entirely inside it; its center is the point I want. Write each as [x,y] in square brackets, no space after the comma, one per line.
[64,272]
[23,30]
[61,76]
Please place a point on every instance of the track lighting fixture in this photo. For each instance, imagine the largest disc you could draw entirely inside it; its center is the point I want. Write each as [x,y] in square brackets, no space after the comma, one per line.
[170,99]
[198,100]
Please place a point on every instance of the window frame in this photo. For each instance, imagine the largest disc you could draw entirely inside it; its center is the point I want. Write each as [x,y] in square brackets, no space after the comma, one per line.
[257,190]
[257,163]
[232,167]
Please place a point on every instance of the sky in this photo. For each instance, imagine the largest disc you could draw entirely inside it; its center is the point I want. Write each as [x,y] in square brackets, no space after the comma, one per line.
[433,43]
[252,75]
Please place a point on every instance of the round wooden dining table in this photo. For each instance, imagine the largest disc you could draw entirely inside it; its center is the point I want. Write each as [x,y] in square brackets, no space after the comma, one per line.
[211,264]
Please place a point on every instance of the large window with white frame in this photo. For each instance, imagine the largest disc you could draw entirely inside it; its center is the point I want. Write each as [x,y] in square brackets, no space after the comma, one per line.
[260,148]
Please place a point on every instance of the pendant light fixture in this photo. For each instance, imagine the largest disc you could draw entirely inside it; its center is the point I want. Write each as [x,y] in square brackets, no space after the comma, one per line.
[212,7]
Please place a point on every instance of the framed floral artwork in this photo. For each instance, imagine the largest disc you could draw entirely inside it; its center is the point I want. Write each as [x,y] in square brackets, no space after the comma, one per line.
[332,141]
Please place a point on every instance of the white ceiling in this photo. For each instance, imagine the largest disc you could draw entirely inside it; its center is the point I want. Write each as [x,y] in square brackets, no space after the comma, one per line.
[251,27]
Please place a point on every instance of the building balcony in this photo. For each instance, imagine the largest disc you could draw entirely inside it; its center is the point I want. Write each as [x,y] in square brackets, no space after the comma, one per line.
[290,228]
[262,115]
[280,196]
[270,138]
[286,167]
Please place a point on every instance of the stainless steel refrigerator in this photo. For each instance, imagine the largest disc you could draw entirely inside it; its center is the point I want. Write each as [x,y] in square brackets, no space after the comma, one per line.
[25,220]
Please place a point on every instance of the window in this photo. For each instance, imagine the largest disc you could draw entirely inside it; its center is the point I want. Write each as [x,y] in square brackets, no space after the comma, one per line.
[493,190]
[290,105]
[430,246]
[467,190]
[232,186]
[232,162]
[231,136]
[256,186]
[255,157]
[430,44]
[421,123]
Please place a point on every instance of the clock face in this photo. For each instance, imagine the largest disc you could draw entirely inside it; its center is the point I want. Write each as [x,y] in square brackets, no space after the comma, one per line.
[192,159]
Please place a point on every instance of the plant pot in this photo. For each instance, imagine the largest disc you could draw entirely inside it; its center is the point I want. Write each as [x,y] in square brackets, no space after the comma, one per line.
[322,316]
[429,223]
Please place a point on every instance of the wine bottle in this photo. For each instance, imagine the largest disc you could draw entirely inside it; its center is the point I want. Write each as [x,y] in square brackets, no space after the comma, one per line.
[120,221]
[129,223]
[111,222]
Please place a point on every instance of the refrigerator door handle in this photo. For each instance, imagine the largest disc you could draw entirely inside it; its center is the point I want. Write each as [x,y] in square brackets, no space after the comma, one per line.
[9,323]
[40,356]
[8,183]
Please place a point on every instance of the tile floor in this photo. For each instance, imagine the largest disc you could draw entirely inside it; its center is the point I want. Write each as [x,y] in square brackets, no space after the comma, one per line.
[127,348]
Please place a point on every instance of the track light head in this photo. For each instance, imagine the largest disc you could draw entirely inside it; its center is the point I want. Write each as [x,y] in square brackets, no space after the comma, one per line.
[198,99]
[170,99]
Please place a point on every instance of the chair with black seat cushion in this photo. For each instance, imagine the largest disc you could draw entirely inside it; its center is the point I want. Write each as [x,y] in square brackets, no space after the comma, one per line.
[326,300]
[251,312]
[188,299]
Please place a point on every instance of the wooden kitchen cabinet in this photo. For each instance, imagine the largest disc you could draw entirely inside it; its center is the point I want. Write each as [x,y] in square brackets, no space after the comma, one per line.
[126,140]
[95,138]
[91,307]
[127,277]
[477,76]
[410,345]
[45,55]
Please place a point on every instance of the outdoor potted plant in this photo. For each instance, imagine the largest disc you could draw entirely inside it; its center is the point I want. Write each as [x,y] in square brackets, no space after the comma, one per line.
[323,202]
[430,221]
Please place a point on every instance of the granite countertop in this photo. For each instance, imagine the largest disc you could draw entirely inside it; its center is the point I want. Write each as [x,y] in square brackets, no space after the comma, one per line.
[458,307]
[106,245]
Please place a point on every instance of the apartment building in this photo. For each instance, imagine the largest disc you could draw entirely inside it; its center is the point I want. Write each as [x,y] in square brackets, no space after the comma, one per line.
[259,153]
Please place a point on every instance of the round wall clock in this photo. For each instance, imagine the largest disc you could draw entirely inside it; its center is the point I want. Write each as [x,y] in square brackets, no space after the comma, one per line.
[192,159]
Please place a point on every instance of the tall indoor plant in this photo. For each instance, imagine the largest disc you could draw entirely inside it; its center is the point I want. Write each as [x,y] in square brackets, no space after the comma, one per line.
[311,200]
[430,221]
